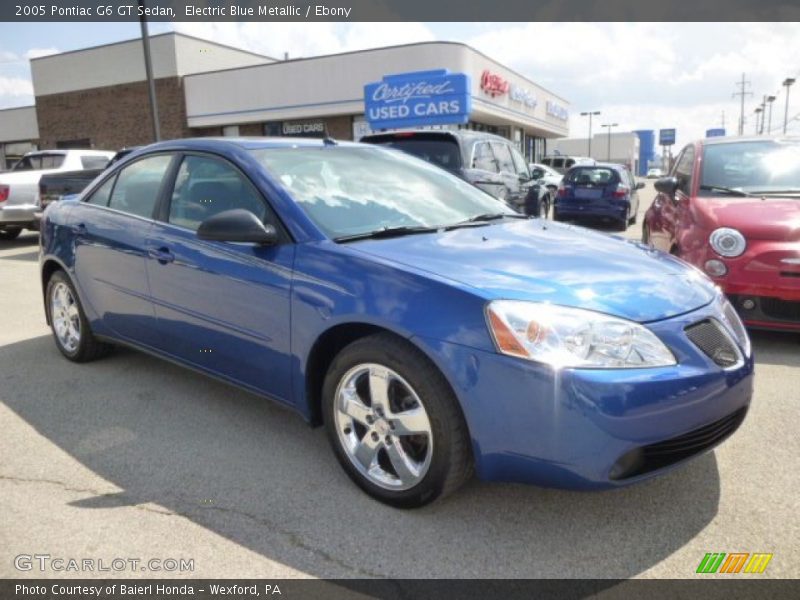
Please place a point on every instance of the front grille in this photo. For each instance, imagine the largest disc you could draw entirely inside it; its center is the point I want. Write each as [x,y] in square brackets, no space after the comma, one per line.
[715,342]
[783,310]
[663,454]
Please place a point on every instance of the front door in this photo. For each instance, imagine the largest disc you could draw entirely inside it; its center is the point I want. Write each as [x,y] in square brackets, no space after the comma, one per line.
[222,306]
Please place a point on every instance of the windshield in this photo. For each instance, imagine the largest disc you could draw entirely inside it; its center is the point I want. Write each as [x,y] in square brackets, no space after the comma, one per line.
[353,190]
[760,166]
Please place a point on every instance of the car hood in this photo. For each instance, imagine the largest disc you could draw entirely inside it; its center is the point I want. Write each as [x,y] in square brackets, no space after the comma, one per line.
[758,219]
[543,261]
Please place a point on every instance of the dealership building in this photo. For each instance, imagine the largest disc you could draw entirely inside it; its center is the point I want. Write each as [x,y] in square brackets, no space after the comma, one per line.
[98,97]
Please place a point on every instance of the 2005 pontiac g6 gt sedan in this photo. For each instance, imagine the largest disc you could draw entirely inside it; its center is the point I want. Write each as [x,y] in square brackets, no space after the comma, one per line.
[431,329]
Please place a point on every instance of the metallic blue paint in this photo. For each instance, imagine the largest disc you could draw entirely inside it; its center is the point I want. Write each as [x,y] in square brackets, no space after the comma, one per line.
[260,310]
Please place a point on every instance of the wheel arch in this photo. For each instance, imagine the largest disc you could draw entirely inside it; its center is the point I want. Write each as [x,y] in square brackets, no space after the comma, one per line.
[332,341]
[49,267]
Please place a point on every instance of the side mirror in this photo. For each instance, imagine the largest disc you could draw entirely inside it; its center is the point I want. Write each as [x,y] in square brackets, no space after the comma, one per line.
[237,225]
[639,185]
[667,185]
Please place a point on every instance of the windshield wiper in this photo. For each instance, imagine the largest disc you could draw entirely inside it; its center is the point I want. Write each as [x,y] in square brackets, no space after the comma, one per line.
[494,216]
[386,232]
[775,192]
[725,190]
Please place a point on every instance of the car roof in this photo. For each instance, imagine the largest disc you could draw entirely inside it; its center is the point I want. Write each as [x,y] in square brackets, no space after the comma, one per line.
[715,141]
[464,134]
[246,143]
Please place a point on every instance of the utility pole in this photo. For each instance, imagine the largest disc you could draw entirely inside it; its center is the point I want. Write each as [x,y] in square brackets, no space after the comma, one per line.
[763,115]
[589,114]
[742,93]
[148,69]
[787,83]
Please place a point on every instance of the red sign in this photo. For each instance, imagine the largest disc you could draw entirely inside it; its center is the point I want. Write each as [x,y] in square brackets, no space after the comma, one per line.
[493,84]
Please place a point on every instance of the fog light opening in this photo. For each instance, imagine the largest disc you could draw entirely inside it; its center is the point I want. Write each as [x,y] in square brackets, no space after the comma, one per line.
[748,304]
[716,268]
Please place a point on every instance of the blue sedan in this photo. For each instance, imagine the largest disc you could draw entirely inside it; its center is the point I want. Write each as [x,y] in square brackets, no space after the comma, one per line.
[431,329]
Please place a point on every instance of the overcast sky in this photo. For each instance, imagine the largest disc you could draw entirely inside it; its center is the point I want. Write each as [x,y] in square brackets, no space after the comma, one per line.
[640,75]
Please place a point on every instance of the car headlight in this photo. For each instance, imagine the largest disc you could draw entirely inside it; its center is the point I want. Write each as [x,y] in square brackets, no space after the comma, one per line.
[572,337]
[727,242]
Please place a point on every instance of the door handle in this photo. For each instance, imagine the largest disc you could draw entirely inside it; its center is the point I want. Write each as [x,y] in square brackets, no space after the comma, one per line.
[79,229]
[162,255]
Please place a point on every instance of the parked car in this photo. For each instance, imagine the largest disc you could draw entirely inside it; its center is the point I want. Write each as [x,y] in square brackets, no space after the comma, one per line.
[488,161]
[605,190]
[654,173]
[431,328]
[562,164]
[54,186]
[19,187]
[731,207]
[546,176]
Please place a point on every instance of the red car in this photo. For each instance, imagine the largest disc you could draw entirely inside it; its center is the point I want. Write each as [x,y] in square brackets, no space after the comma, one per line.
[731,207]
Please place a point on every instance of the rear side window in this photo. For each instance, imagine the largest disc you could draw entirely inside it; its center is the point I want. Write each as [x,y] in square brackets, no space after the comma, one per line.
[39,161]
[558,163]
[503,155]
[591,176]
[102,194]
[205,187]
[94,162]
[442,152]
[138,185]
[483,158]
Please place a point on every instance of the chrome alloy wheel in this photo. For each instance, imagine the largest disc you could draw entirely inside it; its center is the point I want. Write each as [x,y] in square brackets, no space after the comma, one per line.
[383,427]
[65,317]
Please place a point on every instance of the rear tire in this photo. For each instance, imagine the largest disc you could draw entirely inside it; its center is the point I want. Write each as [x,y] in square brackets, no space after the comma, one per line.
[394,424]
[71,331]
[10,233]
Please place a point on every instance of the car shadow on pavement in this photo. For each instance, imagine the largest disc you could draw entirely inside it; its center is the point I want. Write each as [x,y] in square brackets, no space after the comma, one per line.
[29,256]
[776,347]
[254,473]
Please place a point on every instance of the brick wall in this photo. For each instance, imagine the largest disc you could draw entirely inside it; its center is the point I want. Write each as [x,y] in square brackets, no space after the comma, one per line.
[113,116]
[116,116]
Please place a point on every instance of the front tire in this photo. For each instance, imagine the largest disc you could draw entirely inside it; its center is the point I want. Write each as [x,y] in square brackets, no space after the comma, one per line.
[10,233]
[69,324]
[394,423]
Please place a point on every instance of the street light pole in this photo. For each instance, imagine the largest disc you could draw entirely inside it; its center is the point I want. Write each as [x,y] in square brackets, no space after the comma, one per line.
[148,69]
[609,126]
[759,110]
[770,100]
[787,83]
[589,114]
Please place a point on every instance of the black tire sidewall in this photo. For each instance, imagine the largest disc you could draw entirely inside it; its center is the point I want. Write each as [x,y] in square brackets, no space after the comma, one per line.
[410,364]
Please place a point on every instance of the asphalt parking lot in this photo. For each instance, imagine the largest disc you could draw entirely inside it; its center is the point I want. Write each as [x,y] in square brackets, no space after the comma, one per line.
[132,457]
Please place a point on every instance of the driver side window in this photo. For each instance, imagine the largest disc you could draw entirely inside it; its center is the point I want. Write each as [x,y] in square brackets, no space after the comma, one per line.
[207,186]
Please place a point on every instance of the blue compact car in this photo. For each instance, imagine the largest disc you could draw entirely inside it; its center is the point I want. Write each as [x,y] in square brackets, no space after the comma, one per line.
[431,329]
[601,191]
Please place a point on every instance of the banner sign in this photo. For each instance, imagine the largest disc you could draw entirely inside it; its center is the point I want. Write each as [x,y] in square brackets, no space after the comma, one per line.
[717,132]
[418,99]
[666,137]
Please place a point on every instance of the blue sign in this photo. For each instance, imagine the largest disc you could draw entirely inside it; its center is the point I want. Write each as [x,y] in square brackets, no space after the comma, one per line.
[719,132]
[666,137]
[416,99]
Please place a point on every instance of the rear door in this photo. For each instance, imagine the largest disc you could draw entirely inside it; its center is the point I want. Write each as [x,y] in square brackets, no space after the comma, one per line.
[586,186]
[222,306]
[484,170]
[110,227]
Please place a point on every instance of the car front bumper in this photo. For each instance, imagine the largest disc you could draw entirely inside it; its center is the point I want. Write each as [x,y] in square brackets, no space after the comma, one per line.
[594,428]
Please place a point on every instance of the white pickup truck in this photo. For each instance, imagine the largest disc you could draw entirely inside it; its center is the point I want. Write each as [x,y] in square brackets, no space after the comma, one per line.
[19,187]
